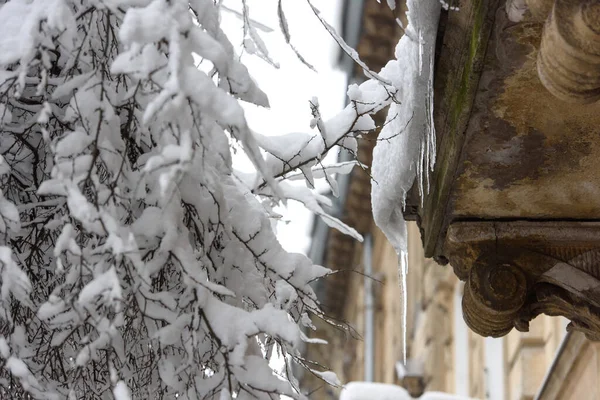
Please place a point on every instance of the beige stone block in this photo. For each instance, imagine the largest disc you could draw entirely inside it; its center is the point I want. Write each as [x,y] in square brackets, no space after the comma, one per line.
[476,365]
[419,344]
[415,246]
[550,337]
[579,379]
[527,373]
[515,340]
[536,331]
[431,280]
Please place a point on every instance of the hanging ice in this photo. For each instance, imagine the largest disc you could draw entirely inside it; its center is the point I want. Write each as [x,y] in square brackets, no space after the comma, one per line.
[405,149]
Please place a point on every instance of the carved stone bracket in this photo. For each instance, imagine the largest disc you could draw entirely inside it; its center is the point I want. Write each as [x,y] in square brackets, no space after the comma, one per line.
[494,295]
[515,271]
[554,300]
[569,57]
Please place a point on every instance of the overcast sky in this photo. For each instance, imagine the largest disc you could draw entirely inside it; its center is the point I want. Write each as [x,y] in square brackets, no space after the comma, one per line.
[290,87]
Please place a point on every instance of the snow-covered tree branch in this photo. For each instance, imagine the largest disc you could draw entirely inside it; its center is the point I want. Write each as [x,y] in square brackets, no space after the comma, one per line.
[134,261]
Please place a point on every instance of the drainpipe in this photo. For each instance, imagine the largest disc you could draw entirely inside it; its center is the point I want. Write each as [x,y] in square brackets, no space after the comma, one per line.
[369,310]
[461,346]
[561,349]
[494,368]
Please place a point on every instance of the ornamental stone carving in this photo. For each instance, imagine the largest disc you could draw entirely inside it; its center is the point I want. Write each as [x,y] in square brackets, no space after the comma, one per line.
[494,295]
[514,199]
[515,271]
[569,56]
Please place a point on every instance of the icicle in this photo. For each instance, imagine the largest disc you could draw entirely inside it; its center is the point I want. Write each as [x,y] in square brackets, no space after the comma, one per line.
[408,151]
[427,146]
[420,161]
[403,272]
[431,145]
[421,51]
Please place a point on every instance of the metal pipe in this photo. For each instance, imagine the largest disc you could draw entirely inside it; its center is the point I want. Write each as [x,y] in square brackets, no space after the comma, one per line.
[369,310]
[494,368]
[461,345]
[561,348]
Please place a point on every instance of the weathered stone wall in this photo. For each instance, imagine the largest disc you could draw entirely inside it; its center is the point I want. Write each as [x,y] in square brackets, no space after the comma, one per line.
[430,291]
[575,372]
[530,355]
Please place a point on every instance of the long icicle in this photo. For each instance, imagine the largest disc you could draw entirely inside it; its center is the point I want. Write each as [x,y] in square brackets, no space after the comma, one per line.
[407,150]
[403,272]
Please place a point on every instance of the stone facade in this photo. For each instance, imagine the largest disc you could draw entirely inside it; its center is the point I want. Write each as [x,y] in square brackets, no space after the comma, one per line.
[546,362]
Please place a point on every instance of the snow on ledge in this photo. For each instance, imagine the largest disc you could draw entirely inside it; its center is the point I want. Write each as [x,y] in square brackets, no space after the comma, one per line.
[385,391]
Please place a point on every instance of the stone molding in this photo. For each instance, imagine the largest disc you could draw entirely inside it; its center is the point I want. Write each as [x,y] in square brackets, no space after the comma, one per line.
[515,271]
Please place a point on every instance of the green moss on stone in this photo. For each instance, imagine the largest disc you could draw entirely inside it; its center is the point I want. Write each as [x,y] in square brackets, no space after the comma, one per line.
[462,95]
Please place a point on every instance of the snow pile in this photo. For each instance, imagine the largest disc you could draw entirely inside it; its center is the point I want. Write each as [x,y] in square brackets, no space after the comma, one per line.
[373,391]
[384,391]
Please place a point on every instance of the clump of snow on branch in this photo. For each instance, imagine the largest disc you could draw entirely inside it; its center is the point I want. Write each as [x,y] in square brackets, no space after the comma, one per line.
[135,263]
[405,149]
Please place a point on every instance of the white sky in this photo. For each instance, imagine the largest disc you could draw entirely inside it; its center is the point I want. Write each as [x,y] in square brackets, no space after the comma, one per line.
[290,87]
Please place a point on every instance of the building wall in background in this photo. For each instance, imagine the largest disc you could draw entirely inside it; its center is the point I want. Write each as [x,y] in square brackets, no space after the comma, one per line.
[453,358]
[542,364]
